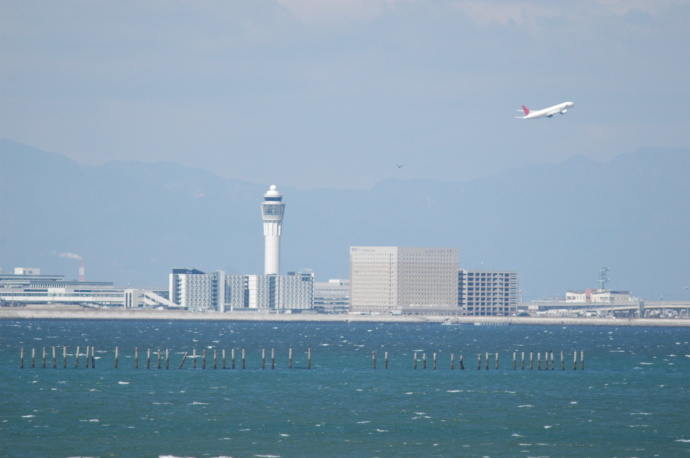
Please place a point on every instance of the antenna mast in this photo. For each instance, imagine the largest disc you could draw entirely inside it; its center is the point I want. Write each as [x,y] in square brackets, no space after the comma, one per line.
[603,277]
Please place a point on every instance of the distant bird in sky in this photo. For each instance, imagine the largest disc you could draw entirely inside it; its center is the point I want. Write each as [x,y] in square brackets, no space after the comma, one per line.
[401,166]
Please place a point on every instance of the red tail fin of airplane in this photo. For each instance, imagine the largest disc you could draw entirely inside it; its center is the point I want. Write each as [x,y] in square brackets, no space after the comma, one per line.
[525,109]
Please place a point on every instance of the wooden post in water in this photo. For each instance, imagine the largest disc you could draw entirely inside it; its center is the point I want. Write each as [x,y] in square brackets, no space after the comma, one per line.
[514,360]
[562,362]
[415,360]
[496,361]
[575,360]
[33,358]
[423,360]
[183,359]
[76,359]
[531,361]
[263,358]
[136,357]
[434,360]
[273,358]
[148,358]
[215,358]
[462,364]
[552,362]
[93,357]
[44,357]
[86,360]
[582,360]
[452,361]
[167,358]
[522,357]
[203,359]
[54,358]
[223,358]
[290,358]
[21,358]
[159,358]
[309,358]
[479,361]
[232,358]
[64,356]
[373,359]
[194,359]
[244,363]
[385,358]
[487,360]
[117,356]
[538,361]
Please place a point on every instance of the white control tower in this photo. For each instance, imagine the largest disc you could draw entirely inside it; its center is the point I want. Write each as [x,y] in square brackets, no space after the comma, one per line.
[272,210]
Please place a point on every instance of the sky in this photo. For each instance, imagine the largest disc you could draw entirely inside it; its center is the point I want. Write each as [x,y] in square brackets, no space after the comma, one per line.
[339,93]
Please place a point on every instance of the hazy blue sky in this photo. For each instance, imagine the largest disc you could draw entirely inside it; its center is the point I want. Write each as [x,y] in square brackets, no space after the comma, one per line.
[313,93]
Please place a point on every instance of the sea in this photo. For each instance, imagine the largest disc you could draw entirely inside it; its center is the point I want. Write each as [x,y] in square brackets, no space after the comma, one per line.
[631,399]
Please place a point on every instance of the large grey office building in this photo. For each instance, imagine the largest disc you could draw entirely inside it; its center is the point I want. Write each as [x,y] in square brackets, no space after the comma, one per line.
[393,279]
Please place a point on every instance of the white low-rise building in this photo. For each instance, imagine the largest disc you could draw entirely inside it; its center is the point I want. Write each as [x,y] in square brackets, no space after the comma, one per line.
[195,290]
[599,297]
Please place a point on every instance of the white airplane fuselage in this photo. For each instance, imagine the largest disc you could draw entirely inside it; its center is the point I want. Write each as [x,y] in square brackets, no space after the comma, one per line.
[561,108]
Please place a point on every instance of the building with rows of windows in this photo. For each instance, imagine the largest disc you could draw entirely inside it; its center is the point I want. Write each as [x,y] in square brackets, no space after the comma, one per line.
[487,292]
[394,279]
[193,289]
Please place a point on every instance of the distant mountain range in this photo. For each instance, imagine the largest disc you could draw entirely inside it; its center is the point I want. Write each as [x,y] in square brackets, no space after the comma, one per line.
[556,224]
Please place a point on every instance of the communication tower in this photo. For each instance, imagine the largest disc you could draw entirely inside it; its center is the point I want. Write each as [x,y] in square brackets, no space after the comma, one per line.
[603,277]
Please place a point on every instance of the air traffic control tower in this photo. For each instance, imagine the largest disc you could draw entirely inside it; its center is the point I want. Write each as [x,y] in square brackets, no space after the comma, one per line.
[272,210]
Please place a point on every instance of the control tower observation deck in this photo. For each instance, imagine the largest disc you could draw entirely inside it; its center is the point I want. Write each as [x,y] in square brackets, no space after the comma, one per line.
[272,210]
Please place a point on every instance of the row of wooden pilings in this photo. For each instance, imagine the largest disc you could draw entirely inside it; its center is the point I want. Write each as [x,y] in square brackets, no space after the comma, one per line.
[91,360]
[548,358]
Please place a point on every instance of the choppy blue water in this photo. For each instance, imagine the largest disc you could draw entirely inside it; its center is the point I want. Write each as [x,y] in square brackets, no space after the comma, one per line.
[632,399]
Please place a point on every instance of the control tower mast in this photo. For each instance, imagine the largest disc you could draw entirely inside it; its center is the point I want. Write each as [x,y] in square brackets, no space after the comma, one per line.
[272,210]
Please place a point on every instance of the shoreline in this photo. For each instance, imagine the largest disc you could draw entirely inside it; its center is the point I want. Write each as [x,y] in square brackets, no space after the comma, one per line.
[168,315]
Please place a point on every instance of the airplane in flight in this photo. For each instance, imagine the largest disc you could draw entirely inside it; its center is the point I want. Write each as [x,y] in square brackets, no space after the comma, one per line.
[561,108]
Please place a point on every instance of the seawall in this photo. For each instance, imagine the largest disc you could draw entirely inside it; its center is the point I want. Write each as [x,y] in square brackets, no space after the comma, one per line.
[11,313]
